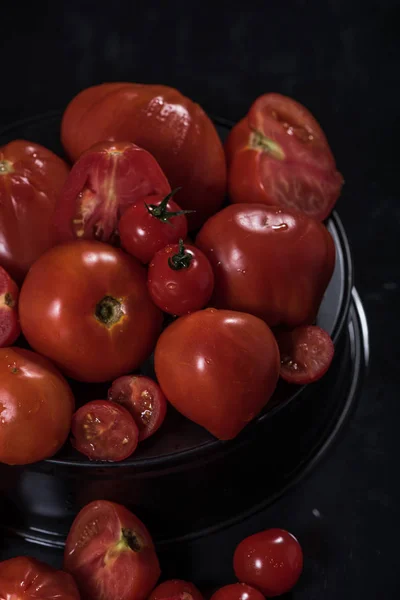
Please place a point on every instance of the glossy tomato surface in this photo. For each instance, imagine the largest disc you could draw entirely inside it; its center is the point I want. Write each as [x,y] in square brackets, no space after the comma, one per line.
[85,305]
[271,561]
[151,224]
[107,179]
[237,591]
[36,407]
[270,262]
[279,155]
[143,398]
[111,554]
[31,178]
[180,279]
[24,578]
[177,589]
[219,368]
[176,131]
[9,322]
[104,431]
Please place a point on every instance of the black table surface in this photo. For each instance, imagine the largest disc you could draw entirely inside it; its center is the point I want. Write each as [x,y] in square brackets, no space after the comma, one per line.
[340,59]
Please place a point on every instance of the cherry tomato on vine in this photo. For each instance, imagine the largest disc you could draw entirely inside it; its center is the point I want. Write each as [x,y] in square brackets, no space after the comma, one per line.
[9,323]
[176,589]
[180,279]
[237,591]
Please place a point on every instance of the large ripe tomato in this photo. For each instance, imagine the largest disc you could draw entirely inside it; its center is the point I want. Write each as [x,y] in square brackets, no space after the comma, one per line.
[36,406]
[86,306]
[219,368]
[9,322]
[176,589]
[163,121]
[111,554]
[279,155]
[25,578]
[107,179]
[31,178]
[273,263]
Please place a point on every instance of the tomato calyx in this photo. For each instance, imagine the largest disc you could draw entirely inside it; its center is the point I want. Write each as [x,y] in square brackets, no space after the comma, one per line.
[262,143]
[6,167]
[180,260]
[108,311]
[132,540]
[9,300]
[160,212]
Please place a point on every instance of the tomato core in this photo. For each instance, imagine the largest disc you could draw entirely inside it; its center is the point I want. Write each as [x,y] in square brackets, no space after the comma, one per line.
[6,167]
[258,141]
[109,311]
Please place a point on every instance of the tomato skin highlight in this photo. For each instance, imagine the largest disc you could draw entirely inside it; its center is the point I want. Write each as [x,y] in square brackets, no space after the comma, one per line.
[177,589]
[237,591]
[110,554]
[9,321]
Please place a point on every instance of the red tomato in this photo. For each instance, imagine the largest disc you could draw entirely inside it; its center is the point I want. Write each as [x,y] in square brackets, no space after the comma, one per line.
[176,589]
[237,591]
[103,183]
[31,178]
[273,263]
[104,431]
[85,305]
[9,324]
[151,224]
[271,561]
[160,119]
[306,354]
[143,398]
[34,398]
[279,155]
[219,368]
[110,554]
[24,578]
[180,279]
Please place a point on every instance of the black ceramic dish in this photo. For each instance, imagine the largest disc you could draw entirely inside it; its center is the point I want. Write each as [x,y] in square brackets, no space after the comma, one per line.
[182,459]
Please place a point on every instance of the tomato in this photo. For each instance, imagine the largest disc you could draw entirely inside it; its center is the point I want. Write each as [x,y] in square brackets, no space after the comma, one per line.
[306,354]
[237,591]
[85,305]
[110,554]
[25,578]
[271,561]
[160,119]
[9,323]
[143,398]
[151,224]
[219,368]
[279,155]
[180,279]
[34,398]
[176,589]
[31,178]
[271,262]
[104,431]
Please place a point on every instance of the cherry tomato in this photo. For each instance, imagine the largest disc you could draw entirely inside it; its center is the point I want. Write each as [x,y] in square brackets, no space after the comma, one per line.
[160,119]
[306,354]
[270,560]
[176,589]
[104,431]
[34,398]
[143,398]
[31,178]
[180,279]
[107,179]
[85,305]
[270,262]
[110,554]
[9,323]
[219,368]
[25,578]
[237,591]
[279,155]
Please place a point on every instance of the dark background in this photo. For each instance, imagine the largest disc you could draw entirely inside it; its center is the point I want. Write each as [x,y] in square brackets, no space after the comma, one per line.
[341,59]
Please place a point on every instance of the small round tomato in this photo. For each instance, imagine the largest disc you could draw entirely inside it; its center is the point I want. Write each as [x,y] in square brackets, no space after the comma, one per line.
[104,431]
[85,305]
[180,279]
[9,323]
[143,398]
[306,354]
[111,554]
[176,589]
[151,224]
[237,591]
[34,398]
[25,578]
[270,560]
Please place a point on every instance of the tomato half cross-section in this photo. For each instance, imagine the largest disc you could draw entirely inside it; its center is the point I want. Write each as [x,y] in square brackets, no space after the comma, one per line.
[111,554]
